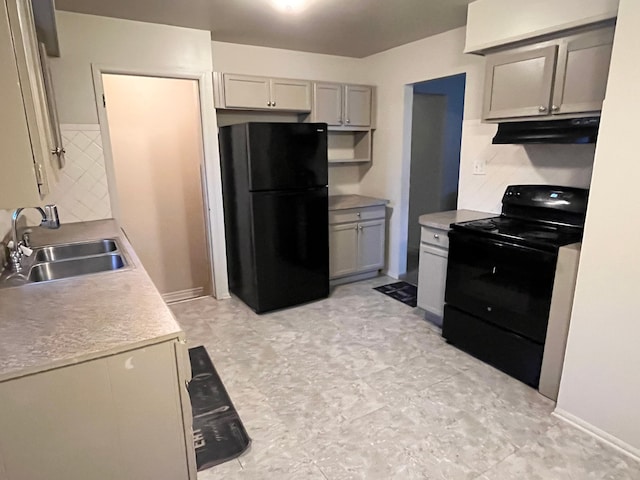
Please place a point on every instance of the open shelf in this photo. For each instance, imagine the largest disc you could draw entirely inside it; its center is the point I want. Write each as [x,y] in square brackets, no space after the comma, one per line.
[349,146]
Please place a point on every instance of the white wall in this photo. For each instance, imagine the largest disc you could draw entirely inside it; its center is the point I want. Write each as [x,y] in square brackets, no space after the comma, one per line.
[274,62]
[87,39]
[496,22]
[435,57]
[600,387]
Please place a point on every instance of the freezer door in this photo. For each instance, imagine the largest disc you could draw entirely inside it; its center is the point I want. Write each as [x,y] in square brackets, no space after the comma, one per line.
[287,156]
[291,242]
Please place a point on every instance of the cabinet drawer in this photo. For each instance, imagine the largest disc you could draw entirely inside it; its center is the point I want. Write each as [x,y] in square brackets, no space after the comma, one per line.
[435,236]
[356,214]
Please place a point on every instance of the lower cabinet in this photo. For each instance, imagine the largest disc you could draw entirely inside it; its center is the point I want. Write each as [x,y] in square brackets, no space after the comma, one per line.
[125,416]
[356,241]
[432,274]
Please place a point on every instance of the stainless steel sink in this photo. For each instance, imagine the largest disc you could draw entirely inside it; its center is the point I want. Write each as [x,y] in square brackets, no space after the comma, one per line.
[56,253]
[56,262]
[44,272]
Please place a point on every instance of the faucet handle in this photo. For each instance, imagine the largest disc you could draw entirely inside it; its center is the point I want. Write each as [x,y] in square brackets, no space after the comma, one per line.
[50,218]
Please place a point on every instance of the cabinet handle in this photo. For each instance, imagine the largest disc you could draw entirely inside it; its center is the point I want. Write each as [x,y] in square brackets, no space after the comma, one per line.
[542,108]
[268,104]
[555,108]
[356,228]
[435,235]
[348,121]
[273,104]
[358,214]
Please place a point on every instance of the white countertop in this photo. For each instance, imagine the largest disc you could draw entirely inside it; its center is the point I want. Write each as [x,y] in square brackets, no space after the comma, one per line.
[59,323]
[443,220]
[344,202]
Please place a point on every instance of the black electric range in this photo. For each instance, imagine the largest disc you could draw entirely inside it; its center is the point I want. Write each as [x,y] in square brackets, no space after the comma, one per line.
[500,276]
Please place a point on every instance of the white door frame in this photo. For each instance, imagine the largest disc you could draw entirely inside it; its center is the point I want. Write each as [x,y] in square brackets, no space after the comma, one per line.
[212,188]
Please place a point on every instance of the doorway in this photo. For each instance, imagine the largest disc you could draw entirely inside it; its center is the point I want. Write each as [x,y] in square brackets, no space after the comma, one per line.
[156,181]
[436,135]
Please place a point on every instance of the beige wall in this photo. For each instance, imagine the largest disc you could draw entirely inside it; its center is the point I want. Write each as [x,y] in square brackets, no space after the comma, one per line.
[600,386]
[157,154]
[250,60]
[436,57]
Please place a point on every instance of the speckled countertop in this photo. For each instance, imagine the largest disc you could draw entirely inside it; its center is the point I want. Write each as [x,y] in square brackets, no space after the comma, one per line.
[343,202]
[443,220]
[59,323]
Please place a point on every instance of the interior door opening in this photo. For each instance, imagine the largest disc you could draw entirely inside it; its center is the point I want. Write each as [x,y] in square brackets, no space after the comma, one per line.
[157,189]
[438,107]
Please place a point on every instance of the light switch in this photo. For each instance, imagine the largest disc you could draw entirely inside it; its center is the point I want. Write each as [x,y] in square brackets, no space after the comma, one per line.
[479,167]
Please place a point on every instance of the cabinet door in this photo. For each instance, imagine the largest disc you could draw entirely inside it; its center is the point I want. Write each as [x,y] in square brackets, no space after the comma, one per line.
[244,91]
[518,84]
[432,277]
[371,245]
[111,418]
[18,181]
[60,425]
[327,103]
[27,58]
[292,95]
[146,399]
[357,106]
[343,249]
[582,73]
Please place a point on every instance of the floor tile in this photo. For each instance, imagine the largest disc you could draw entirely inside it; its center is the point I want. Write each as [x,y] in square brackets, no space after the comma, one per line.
[360,386]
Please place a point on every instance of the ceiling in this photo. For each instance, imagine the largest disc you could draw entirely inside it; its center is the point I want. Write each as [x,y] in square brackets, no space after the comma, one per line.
[354,28]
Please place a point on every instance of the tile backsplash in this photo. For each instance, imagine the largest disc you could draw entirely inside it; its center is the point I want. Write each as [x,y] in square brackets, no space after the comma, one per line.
[82,192]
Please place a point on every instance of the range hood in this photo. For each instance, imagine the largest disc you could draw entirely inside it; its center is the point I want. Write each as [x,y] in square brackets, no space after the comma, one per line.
[572,130]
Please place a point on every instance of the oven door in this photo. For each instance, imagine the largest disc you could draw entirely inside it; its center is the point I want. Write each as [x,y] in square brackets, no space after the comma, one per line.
[504,284]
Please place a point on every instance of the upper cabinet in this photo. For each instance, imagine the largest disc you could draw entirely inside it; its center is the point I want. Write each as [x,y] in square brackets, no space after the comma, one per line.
[30,133]
[248,92]
[561,77]
[357,105]
[341,105]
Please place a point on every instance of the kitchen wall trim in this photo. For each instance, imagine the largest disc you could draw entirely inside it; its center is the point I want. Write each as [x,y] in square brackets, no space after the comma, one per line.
[599,434]
[212,179]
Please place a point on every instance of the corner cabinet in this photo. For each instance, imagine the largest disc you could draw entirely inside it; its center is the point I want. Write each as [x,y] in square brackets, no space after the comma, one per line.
[124,416]
[356,241]
[248,92]
[348,110]
[552,79]
[30,134]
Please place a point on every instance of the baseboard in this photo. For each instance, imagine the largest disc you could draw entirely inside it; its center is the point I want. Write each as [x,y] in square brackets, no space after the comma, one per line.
[598,434]
[182,295]
[353,278]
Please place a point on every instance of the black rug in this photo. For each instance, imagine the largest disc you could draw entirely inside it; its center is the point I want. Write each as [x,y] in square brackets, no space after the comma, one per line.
[401,291]
[218,433]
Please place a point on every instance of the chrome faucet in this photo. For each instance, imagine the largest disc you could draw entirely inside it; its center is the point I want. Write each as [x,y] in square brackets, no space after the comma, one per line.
[50,219]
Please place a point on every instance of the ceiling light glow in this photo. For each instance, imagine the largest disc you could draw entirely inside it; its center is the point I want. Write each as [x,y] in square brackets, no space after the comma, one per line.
[289,6]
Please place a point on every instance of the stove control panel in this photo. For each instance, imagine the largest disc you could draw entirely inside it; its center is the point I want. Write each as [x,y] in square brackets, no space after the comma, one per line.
[554,197]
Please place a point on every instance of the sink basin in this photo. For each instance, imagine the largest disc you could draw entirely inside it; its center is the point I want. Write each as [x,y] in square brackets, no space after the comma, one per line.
[44,272]
[75,250]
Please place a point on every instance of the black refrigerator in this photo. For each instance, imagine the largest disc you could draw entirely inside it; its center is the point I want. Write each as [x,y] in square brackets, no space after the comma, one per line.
[274,184]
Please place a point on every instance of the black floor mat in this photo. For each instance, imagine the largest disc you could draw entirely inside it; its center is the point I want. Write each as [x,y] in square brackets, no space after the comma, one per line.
[401,291]
[218,433]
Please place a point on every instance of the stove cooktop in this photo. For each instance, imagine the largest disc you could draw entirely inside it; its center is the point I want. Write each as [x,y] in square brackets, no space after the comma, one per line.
[526,232]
